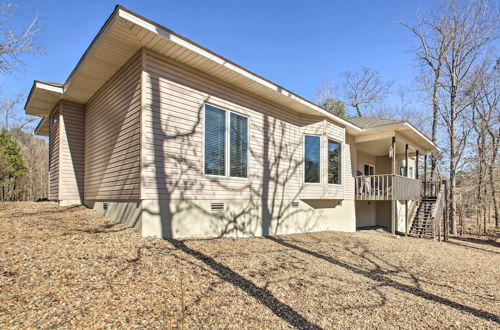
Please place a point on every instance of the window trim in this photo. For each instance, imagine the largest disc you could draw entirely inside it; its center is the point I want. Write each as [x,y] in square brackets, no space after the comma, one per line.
[227,137]
[341,162]
[304,159]
[369,164]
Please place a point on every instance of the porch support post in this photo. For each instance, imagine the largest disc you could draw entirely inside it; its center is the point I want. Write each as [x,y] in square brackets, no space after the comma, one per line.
[406,217]
[394,204]
[416,166]
[425,174]
[394,155]
[407,174]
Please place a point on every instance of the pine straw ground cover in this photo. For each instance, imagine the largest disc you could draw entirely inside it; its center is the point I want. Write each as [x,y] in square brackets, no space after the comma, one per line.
[69,267]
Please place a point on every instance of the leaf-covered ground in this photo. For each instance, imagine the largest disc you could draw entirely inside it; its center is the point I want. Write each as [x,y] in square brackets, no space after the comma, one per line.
[69,267]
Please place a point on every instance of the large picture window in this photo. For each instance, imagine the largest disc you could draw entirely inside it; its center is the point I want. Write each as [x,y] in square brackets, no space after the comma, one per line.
[217,137]
[334,162]
[312,158]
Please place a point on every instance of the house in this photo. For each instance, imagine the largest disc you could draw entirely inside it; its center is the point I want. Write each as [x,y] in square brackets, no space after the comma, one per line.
[166,136]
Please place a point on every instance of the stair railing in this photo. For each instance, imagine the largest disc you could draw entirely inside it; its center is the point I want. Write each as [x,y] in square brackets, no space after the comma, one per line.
[412,215]
[437,211]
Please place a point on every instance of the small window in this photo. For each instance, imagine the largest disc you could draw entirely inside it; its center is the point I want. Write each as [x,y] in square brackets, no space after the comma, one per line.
[217,137]
[402,170]
[368,169]
[334,162]
[312,158]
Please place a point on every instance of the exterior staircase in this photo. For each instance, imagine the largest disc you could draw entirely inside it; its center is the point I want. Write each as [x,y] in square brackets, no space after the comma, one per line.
[422,225]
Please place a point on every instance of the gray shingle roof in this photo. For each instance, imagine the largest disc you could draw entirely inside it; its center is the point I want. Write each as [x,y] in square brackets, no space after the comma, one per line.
[367,122]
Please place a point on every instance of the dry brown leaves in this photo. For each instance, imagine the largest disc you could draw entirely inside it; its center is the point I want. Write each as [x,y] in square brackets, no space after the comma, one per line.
[69,267]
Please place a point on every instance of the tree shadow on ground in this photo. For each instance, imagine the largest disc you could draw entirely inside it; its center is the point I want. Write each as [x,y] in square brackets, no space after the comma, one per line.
[380,276]
[489,241]
[467,246]
[263,295]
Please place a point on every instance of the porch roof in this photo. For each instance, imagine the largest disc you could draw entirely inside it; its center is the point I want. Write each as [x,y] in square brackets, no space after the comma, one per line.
[370,122]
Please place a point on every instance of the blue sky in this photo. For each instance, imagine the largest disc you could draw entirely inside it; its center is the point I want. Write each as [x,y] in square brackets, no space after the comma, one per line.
[296,44]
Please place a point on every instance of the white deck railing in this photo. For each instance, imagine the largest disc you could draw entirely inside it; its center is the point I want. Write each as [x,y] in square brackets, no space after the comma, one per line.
[387,187]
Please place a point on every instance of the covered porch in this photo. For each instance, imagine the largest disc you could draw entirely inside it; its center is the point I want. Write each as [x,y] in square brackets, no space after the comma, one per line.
[388,181]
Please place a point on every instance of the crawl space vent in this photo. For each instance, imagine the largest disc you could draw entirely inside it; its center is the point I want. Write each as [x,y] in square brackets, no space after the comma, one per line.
[104,206]
[295,204]
[217,207]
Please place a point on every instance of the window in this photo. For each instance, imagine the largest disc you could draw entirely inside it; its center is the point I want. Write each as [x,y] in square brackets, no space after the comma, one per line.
[334,162]
[312,159]
[368,169]
[216,139]
[411,171]
[215,142]
[238,146]
[402,170]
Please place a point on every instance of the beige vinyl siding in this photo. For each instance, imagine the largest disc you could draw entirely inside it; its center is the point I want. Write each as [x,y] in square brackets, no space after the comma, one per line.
[112,137]
[350,162]
[364,158]
[173,134]
[54,155]
[71,158]
[383,165]
[173,138]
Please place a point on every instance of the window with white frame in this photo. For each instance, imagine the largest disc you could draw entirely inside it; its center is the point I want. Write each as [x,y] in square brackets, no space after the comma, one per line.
[226,143]
[312,158]
[334,162]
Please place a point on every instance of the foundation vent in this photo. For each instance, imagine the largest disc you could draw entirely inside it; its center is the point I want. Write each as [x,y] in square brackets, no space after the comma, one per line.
[104,206]
[217,207]
[295,204]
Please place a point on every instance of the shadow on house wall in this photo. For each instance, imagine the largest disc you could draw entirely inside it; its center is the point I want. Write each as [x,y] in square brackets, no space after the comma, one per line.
[263,204]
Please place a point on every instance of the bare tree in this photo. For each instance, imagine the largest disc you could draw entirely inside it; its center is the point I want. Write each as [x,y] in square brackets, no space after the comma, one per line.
[364,88]
[431,51]
[327,97]
[470,27]
[15,42]
[486,122]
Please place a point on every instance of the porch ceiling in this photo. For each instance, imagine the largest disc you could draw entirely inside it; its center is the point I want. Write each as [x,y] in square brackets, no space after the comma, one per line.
[381,147]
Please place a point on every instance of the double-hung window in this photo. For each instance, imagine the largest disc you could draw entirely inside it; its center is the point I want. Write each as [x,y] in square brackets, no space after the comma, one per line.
[334,162]
[312,159]
[226,143]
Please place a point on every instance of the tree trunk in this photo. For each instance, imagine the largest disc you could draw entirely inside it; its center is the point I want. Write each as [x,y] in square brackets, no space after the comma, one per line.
[453,111]
[358,110]
[494,143]
[435,115]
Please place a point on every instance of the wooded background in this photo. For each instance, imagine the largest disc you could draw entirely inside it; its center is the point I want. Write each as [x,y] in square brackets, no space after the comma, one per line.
[456,50]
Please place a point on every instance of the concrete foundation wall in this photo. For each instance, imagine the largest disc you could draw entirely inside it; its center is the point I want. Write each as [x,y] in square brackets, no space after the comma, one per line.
[195,218]
[179,219]
[383,211]
[366,213]
[126,212]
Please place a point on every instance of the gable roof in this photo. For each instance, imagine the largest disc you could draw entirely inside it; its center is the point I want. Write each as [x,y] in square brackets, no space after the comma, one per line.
[125,33]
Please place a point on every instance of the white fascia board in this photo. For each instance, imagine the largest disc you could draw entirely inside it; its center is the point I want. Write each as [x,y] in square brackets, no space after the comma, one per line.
[50,88]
